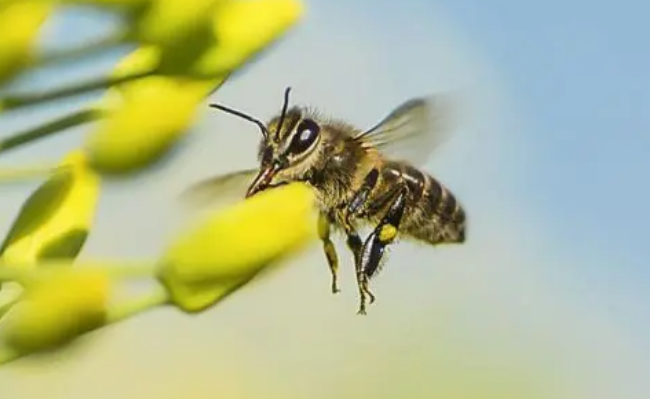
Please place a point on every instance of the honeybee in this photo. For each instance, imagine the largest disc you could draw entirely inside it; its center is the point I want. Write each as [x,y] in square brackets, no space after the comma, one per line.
[361,177]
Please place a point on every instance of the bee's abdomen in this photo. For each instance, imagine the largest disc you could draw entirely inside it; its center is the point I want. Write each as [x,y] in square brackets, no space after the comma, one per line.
[433,213]
[445,214]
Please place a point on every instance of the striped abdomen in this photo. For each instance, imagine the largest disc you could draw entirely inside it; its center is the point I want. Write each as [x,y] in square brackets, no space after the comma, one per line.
[432,212]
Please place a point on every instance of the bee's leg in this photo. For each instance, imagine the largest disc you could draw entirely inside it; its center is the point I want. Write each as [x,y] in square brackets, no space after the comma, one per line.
[377,204]
[382,236]
[358,202]
[356,244]
[354,208]
[382,200]
[328,247]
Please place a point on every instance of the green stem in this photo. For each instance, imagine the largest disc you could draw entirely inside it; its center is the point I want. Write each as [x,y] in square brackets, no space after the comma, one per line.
[119,270]
[20,101]
[5,307]
[153,299]
[83,51]
[11,275]
[8,355]
[20,174]
[125,270]
[48,129]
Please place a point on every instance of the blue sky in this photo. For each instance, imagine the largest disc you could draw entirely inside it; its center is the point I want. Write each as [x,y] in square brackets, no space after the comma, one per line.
[576,69]
[577,72]
[549,165]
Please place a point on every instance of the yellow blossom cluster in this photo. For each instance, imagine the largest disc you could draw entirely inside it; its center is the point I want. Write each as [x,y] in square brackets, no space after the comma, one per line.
[184,51]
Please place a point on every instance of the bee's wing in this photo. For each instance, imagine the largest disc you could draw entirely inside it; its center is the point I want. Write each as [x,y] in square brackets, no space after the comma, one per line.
[413,130]
[219,188]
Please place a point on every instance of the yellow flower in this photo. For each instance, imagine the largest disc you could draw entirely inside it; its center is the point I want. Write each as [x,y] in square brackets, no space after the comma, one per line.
[119,4]
[144,128]
[147,117]
[168,22]
[141,60]
[56,309]
[55,220]
[244,28]
[233,246]
[21,21]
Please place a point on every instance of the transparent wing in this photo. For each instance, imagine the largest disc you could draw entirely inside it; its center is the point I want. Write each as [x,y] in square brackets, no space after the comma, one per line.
[228,187]
[412,131]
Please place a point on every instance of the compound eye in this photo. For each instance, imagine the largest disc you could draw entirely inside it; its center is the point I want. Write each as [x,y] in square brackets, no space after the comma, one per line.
[306,134]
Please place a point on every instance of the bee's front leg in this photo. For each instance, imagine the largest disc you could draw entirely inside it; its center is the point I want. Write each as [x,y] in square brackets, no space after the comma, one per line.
[330,252]
[382,236]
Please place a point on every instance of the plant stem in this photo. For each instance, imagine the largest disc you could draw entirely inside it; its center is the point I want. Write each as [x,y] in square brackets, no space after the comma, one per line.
[48,129]
[153,299]
[20,174]
[7,355]
[11,275]
[132,270]
[40,269]
[19,101]
[8,303]
[85,50]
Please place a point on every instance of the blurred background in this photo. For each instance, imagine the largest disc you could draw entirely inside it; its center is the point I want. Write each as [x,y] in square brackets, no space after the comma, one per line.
[547,299]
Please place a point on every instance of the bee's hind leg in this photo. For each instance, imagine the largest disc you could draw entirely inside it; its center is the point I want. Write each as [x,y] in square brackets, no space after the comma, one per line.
[353,209]
[382,236]
[356,244]
[330,252]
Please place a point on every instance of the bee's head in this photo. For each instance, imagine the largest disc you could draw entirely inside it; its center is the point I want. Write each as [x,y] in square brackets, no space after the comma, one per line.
[288,147]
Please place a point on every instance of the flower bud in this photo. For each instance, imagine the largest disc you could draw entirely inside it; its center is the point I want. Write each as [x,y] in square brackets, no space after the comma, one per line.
[153,115]
[169,22]
[234,245]
[56,309]
[244,28]
[147,117]
[21,21]
[55,220]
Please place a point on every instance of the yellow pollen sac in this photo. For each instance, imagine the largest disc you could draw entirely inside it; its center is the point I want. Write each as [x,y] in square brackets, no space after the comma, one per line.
[388,233]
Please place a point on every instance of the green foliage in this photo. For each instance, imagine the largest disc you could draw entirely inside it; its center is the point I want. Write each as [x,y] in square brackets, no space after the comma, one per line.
[184,51]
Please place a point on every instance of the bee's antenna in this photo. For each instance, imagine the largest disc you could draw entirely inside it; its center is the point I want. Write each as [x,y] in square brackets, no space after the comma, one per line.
[242,115]
[285,105]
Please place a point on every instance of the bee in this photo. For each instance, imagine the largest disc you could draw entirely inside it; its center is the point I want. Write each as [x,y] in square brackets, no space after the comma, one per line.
[361,178]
